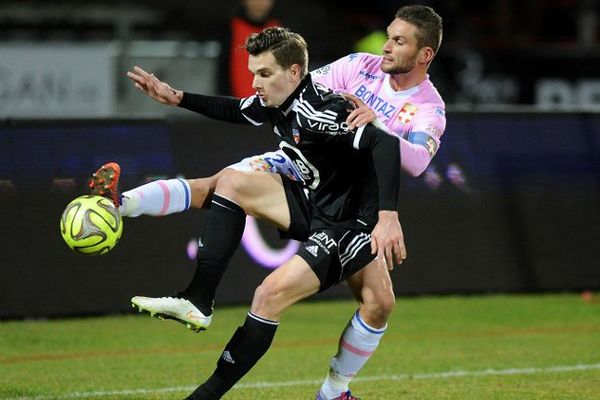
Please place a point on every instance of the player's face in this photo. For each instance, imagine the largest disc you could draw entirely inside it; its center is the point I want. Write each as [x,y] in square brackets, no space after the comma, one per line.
[273,84]
[400,50]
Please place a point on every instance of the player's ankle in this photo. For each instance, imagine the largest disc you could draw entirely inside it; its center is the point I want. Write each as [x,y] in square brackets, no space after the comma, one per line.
[205,306]
[129,205]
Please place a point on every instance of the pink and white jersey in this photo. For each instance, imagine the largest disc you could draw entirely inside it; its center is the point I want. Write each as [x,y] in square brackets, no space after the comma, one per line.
[416,115]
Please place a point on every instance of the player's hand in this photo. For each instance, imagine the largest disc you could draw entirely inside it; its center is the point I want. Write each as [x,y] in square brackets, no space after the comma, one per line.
[153,87]
[362,113]
[387,240]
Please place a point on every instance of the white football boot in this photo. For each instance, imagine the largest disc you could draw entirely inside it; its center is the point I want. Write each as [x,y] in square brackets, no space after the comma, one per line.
[180,310]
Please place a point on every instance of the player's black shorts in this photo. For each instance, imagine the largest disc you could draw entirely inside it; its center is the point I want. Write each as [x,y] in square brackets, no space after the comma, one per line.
[334,253]
[300,210]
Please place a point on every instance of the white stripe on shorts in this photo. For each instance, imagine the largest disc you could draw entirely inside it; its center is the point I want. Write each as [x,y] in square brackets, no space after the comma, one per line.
[354,247]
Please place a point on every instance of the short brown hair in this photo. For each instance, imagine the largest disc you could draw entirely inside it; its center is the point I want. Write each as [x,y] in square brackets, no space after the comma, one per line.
[288,47]
[428,23]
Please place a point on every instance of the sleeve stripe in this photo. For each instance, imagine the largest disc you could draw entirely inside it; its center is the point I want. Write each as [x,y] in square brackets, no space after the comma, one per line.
[253,122]
[308,108]
[246,102]
[315,117]
[357,137]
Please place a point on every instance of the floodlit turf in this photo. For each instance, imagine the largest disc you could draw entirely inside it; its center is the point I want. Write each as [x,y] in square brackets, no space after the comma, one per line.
[478,347]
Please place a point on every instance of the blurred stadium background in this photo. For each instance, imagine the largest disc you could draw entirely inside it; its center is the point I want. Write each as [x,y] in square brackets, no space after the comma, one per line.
[510,204]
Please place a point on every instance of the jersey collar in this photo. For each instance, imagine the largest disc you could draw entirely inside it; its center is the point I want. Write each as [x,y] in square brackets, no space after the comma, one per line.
[288,104]
[403,93]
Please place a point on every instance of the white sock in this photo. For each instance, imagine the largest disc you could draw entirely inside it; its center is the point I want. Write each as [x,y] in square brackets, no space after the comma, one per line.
[162,197]
[357,344]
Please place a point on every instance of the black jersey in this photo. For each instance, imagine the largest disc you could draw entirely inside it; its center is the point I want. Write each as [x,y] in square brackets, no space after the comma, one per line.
[337,164]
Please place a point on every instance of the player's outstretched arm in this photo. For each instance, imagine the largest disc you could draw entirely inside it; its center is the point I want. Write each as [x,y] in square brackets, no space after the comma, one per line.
[155,88]
[223,108]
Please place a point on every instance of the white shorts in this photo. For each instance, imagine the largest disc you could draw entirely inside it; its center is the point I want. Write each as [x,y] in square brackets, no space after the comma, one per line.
[276,162]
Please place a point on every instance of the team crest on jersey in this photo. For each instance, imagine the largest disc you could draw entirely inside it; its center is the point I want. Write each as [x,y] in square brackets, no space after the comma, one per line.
[296,135]
[407,113]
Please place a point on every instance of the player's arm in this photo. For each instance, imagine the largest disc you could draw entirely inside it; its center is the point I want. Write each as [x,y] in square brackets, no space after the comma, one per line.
[223,108]
[424,139]
[417,150]
[153,87]
[385,151]
[417,156]
[421,143]
[387,238]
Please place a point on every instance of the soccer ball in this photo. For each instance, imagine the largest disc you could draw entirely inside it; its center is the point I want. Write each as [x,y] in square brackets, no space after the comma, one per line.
[91,225]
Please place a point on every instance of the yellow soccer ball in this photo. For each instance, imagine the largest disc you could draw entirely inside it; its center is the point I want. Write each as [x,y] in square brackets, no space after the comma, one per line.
[91,225]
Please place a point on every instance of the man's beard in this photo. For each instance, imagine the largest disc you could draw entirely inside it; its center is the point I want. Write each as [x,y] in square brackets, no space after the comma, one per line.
[404,68]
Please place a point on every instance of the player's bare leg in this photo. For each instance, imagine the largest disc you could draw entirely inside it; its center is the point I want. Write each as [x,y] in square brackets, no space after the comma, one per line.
[372,288]
[202,189]
[288,284]
[259,194]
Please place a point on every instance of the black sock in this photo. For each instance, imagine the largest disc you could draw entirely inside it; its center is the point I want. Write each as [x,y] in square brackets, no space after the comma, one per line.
[223,229]
[248,344]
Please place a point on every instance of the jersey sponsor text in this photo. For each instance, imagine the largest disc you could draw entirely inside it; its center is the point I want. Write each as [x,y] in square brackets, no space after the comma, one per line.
[375,102]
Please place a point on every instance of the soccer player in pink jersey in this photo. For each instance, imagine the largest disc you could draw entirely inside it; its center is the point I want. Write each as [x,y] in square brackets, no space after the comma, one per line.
[396,87]
[409,106]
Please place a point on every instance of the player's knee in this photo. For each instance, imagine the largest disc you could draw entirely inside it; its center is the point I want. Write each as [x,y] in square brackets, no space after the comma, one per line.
[231,184]
[201,189]
[377,311]
[265,298]
[386,305]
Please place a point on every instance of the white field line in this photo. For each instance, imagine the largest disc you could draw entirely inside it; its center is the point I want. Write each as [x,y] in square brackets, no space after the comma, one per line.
[315,382]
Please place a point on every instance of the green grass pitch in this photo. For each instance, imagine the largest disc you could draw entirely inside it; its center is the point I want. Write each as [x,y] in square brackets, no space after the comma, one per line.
[449,347]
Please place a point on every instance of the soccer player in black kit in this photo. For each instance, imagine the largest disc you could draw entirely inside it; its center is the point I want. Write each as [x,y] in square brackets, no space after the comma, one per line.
[349,189]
